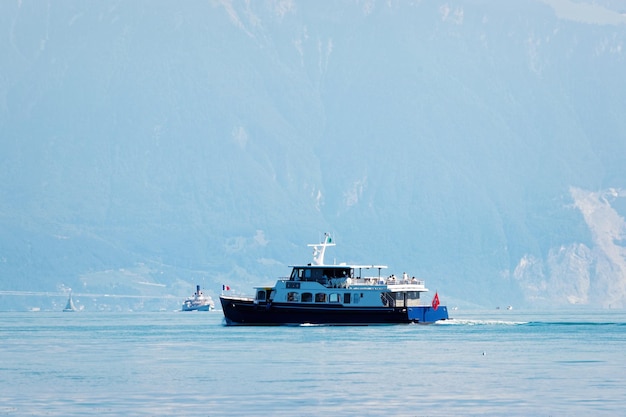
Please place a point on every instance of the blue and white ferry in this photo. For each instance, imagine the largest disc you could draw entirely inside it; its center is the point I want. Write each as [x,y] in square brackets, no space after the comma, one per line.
[341,294]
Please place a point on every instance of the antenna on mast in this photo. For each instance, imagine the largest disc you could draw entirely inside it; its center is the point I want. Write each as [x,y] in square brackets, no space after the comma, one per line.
[320,248]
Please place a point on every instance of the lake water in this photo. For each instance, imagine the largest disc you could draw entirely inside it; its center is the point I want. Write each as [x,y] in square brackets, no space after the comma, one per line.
[495,363]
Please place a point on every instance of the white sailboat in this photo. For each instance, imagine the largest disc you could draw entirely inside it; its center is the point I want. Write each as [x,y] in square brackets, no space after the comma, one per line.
[70,304]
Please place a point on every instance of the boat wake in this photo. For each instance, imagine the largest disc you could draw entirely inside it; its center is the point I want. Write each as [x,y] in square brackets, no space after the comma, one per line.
[462,322]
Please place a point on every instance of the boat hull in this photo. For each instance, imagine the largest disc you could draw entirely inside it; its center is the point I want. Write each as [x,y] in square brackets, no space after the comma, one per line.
[244,311]
[197,308]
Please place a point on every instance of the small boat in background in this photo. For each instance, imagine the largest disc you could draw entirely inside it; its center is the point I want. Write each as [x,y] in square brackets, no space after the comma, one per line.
[198,302]
[70,304]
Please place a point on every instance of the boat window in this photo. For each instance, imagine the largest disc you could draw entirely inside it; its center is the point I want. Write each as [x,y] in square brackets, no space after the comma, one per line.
[337,272]
[346,298]
[333,298]
[400,299]
[356,297]
[300,274]
[412,298]
[320,297]
[317,275]
[307,297]
[260,295]
[293,296]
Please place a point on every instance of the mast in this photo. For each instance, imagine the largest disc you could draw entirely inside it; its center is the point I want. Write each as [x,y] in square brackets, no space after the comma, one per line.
[320,248]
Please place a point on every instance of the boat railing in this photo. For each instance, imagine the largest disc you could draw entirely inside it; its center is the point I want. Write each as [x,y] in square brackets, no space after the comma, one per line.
[368,281]
[237,297]
[387,281]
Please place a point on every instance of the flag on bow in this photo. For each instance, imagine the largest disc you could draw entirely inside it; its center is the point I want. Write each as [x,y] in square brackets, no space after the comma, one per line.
[225,287]
[435,302]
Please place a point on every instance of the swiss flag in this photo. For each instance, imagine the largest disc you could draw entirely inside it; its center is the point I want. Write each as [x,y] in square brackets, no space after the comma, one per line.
[435,302]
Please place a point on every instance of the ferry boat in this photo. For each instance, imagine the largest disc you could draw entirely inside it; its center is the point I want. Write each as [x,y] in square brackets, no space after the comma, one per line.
[198,302]
[341,294]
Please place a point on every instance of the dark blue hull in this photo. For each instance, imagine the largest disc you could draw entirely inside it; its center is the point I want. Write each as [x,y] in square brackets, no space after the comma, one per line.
[238,311]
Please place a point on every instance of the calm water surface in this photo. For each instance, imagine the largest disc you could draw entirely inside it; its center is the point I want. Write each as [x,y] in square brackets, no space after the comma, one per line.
[500,363]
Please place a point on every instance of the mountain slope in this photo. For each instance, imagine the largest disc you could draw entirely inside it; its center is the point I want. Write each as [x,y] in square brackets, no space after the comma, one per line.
[210,141]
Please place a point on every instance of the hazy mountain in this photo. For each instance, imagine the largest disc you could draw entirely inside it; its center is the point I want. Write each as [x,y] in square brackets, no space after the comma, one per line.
[151,145]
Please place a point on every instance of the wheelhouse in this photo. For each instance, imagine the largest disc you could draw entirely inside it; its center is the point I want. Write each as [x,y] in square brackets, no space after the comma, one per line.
[320,274]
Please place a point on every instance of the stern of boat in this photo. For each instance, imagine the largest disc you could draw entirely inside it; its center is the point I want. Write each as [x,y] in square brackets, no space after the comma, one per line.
[427,314]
